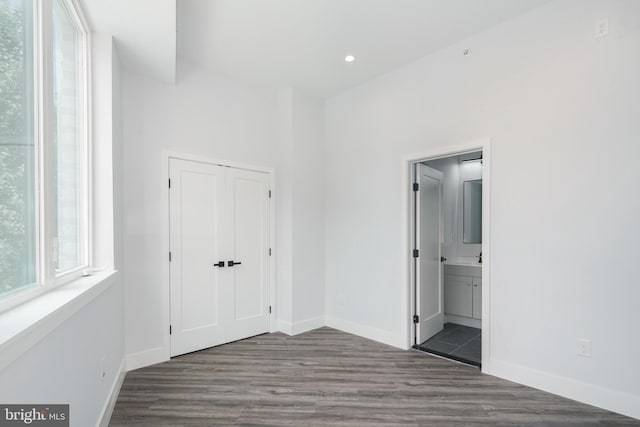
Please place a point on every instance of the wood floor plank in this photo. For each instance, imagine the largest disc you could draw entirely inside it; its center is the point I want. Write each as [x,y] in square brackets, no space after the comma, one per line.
[330,378]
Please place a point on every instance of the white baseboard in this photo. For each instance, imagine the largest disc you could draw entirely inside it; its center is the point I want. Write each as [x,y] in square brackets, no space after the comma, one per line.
[301,326]
[146,358]
[307,325]
[107,410]
[284,327]
[465,321]
[380,335]
[611,400]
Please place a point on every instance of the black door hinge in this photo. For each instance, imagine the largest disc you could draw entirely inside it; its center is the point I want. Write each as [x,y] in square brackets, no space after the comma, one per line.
[269,193]
[269,251]
[416,253]
[416,186]
[416,319]
[442,259]
[269,309]
[169,182]
[170,330]
[169,256]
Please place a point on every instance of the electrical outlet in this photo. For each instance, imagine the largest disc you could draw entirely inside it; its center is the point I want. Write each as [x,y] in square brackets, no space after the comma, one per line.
[584,348]
[602,27]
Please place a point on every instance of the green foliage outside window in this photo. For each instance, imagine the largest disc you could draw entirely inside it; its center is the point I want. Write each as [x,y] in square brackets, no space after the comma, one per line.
[17,241]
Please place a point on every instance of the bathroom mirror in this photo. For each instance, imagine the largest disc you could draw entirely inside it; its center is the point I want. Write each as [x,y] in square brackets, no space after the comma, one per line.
[472,218]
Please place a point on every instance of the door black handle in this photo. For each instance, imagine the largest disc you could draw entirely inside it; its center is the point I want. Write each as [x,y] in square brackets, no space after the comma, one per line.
[219,264]
[232,263]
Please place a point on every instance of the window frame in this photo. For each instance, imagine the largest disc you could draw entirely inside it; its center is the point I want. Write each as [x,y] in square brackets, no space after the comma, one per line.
[46,277]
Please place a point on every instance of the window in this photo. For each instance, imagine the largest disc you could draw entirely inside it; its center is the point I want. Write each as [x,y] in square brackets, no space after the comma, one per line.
[43,145]
[17,148]
[68,143]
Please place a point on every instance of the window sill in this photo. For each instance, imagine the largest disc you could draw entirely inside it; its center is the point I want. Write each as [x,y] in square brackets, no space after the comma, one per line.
[25,325]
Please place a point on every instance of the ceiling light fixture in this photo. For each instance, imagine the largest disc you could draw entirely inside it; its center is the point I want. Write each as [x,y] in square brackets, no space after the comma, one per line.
[349,58]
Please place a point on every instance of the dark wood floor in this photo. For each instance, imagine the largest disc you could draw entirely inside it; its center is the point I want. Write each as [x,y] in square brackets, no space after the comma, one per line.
[330,378]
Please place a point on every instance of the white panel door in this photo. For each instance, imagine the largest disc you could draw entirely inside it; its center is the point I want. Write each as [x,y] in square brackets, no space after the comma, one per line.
[248,233]
[219,239]
[197,199]
[429,269]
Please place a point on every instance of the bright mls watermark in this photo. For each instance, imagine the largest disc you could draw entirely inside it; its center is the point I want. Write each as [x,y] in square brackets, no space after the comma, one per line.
[34,415]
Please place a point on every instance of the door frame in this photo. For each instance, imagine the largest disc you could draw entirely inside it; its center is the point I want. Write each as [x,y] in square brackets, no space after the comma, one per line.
[166,283]
[408,210]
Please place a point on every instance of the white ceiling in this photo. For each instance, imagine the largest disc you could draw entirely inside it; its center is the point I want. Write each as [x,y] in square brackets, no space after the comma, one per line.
[302,43]
[275,43]
[144,30]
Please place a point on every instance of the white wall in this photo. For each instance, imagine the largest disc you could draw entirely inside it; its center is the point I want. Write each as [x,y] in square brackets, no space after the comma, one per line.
[300,212]
[308,211]
[65,367]
[284,211]
[562,110]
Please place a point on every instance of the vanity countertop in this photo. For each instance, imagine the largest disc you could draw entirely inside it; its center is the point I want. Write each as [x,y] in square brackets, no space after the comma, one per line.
[467,262]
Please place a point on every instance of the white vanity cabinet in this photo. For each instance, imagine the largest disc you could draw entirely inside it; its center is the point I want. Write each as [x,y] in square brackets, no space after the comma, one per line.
[477,297]
[458,295]
[463,290]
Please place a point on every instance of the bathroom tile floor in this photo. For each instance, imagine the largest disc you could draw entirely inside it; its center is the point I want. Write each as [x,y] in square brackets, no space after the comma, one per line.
[456,342]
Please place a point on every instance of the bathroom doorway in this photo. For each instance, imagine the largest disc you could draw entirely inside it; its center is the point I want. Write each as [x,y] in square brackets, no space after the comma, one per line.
[447,254]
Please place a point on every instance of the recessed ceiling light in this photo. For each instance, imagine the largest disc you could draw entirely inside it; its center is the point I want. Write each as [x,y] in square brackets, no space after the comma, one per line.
[349,58]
